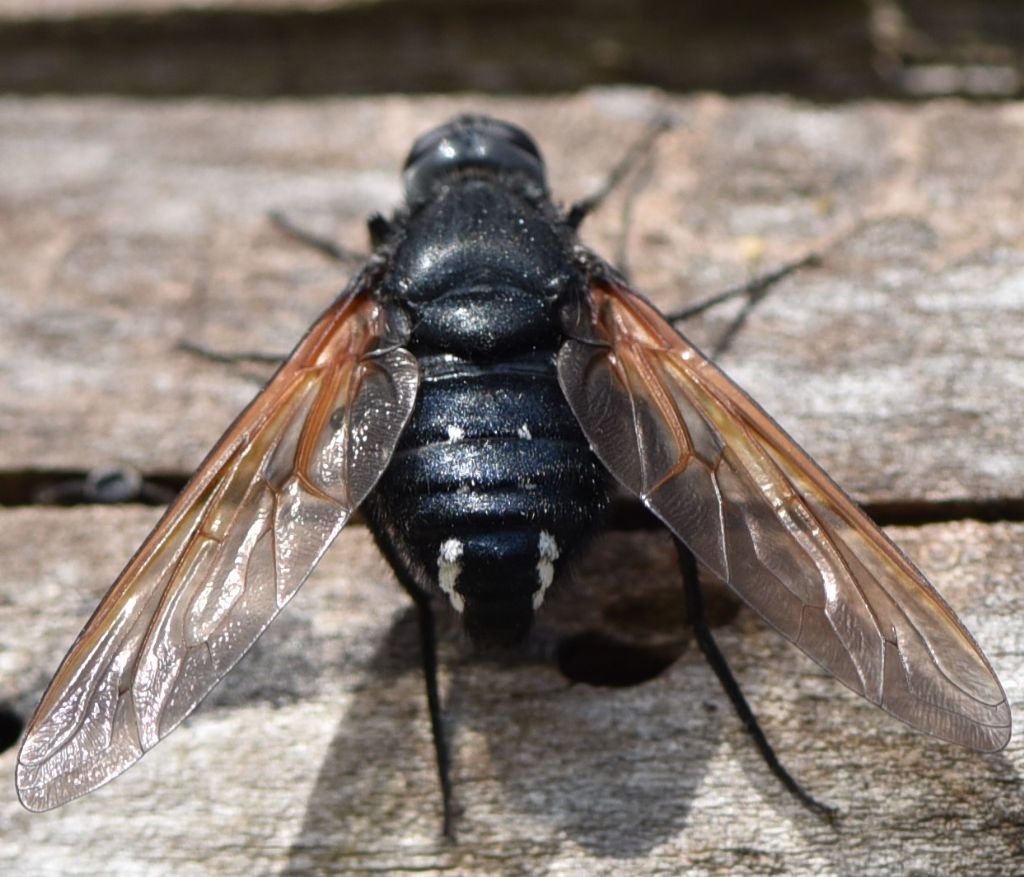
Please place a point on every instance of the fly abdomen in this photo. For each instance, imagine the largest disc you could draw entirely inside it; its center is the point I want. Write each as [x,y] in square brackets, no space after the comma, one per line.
[492,489]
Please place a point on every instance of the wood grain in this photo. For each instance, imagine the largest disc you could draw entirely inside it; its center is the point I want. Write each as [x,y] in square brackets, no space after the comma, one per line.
[129,227]
[314,756]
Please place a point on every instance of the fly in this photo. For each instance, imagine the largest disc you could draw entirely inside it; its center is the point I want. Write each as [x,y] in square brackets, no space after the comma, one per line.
[477,391]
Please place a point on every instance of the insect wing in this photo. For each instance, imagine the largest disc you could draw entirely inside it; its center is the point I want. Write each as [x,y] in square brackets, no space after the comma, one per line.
[229,553]
[764,517]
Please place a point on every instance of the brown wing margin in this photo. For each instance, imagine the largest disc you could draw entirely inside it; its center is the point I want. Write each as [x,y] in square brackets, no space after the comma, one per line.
[764,517]
[229,553]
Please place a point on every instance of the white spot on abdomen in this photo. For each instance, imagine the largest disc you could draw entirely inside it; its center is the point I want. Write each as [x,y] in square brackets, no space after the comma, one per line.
[455,433]
[524,432]
[547,554]
[448,568]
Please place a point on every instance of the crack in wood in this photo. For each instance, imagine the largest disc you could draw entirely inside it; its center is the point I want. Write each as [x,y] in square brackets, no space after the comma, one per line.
[109,486]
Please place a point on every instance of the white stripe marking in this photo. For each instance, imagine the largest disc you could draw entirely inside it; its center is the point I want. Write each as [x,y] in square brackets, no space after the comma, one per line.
[448,569]
[548,552]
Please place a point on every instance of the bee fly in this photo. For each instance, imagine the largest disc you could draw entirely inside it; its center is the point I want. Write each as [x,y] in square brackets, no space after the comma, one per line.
[477,390]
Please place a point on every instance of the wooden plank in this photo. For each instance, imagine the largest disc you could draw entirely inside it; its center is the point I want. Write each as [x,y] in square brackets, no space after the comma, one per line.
[314,757]
[836,51]
[129,227]
[268,48]
[48,10]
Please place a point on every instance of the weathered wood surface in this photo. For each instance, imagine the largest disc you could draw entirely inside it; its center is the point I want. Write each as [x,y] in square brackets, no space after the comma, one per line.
[314,756]
[129,227]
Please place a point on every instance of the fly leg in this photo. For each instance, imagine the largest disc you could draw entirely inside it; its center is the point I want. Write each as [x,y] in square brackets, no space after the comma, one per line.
[714,657]
[255,356]
[639,158]
[638,153]
[428,655]
[333,251]
[754,290]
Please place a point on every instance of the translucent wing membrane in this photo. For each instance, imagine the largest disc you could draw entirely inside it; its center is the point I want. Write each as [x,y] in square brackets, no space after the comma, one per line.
[229,553]
[761,515]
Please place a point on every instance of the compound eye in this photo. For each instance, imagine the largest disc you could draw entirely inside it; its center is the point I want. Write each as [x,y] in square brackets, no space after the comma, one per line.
[470,141]
[496,129]
[515,135]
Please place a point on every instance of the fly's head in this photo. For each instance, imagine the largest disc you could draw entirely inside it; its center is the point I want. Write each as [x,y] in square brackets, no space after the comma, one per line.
[471,141]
